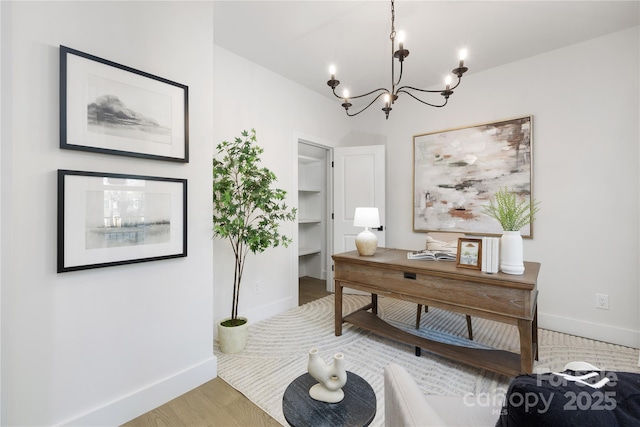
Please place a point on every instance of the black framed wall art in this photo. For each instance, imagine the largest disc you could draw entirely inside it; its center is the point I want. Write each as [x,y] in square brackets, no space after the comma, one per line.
[110,108]
[457,171]
[107,219]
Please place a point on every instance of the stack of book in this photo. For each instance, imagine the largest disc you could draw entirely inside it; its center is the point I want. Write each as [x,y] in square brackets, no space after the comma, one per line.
[432,255]
[490,254]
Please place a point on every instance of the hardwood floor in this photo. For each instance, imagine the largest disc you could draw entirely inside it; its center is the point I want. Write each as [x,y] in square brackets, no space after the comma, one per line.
[311,289]
[216,403]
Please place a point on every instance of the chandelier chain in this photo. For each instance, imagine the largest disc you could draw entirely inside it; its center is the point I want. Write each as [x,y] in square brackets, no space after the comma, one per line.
[392,36]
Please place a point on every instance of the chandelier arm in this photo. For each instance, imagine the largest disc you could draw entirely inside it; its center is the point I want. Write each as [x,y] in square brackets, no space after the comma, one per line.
[370,104]
[400,76]
[420,100]
[405,88]
[402,89]
[335,94]
[457,84]
[363,95]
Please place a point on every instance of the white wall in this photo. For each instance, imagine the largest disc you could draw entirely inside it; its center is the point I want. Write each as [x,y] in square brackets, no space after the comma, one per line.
[99,347]
[585,103]
[249,96]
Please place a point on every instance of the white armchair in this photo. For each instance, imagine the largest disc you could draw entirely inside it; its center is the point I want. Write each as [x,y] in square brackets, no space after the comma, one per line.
[406,406]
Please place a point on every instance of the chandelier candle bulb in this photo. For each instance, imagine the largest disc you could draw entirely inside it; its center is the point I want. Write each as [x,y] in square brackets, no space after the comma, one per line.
[463,56]
[332,71]
[387,107]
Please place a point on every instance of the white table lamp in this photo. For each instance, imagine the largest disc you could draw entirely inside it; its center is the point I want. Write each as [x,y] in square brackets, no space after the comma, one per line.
[366,241]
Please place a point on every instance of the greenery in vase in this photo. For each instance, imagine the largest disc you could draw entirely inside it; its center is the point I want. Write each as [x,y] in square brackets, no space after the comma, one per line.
[246,209]
[511,213]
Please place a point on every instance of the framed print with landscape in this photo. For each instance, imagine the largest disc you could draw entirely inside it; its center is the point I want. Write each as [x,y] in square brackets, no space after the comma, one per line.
[110,108]
[469,253]
[109,219]
[457,171]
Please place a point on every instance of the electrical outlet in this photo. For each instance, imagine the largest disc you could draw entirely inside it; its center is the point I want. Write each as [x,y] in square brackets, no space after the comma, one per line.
[256,287]
[602,301]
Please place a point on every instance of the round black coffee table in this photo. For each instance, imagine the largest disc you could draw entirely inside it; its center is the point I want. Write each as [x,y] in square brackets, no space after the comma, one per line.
[356,409]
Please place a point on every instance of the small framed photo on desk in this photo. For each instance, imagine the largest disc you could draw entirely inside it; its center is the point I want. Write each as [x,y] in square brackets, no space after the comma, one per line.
[469,253]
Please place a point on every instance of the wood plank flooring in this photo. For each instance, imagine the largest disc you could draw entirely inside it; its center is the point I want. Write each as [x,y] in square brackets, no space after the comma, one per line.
[311,289]
[216,403]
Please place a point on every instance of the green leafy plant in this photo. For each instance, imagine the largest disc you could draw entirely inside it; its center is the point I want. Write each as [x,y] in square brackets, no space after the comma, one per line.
[511,213]
[246,209]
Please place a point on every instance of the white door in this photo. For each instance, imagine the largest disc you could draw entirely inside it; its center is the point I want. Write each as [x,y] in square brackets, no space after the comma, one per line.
[358,181]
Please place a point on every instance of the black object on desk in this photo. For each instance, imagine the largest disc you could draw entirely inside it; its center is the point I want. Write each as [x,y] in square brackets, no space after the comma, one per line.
[356,409]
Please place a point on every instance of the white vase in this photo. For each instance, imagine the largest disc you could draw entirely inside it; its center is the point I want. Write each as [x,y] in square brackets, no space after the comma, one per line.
[511,253]
[331,377]
[233,339]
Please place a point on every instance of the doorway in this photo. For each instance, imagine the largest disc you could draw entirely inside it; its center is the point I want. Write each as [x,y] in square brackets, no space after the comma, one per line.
[327,197]
[315,194]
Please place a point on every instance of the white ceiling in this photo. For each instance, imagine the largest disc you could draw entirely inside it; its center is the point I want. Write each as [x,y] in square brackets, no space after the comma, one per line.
[299,39]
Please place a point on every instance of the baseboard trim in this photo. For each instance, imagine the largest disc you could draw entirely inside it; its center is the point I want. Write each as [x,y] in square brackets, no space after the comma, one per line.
[141,401]
[594,331]
[263,312]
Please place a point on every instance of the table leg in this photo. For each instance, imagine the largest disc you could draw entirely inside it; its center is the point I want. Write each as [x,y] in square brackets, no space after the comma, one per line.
[525,327]
[338,308]
[534,334]
[374,303]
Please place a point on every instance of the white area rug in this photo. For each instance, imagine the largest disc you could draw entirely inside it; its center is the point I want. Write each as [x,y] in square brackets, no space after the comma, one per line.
[278,347]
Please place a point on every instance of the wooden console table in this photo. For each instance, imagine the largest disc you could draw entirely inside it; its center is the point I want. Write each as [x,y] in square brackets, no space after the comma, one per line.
[501,297]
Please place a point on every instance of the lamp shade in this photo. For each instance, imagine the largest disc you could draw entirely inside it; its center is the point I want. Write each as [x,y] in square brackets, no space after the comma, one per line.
[366,217]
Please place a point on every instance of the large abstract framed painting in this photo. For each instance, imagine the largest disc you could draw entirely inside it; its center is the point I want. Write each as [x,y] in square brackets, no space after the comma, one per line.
[109,108]
[457,171]
[109,219]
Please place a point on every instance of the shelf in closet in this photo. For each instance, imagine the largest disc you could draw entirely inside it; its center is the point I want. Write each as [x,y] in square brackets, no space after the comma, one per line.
[311,213]
[307,159]
[308,251]
[309,221]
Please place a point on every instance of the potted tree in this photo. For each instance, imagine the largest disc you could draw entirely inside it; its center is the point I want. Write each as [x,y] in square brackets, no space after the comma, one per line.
[512,214]
[247,211]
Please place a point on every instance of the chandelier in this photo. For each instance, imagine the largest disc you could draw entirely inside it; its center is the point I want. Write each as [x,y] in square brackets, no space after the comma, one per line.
[390,96]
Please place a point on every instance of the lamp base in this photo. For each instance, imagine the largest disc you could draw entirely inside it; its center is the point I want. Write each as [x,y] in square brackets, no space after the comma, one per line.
[366,243]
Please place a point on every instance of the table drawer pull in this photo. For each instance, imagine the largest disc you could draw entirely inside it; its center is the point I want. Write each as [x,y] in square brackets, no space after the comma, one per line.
[411,276]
